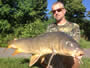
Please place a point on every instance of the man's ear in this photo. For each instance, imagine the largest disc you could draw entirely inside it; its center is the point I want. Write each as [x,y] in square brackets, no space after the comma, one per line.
[65,11]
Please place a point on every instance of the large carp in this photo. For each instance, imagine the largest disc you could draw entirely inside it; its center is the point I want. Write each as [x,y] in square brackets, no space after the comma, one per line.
[57,42]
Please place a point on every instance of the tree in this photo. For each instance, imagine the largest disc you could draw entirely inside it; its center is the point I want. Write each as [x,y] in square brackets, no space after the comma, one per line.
[15,14]
[19,12]
[88,14]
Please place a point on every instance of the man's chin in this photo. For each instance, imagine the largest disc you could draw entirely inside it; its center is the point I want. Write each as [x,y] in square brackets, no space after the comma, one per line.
[58,20]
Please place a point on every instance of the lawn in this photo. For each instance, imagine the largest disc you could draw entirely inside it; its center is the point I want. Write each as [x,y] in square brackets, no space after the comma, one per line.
[15,63]
[23,63]
[84,43]
[86,63]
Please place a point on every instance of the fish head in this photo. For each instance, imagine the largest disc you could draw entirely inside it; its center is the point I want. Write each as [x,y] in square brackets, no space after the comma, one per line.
[14,45]
[11,44]
[72,48]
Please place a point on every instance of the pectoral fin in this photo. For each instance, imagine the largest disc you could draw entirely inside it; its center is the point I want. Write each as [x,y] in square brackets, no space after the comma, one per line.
[42,59]
[16,52]
[34,59]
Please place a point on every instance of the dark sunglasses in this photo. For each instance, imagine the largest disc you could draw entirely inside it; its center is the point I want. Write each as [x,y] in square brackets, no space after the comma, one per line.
[59,10]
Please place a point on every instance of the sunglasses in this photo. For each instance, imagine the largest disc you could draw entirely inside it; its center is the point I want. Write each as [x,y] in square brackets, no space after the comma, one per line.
[59,10]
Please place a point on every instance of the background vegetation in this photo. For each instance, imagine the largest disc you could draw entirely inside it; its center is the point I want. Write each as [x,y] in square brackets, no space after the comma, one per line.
[28,18]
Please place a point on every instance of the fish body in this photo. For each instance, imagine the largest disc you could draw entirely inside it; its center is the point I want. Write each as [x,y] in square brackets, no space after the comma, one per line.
[57,42]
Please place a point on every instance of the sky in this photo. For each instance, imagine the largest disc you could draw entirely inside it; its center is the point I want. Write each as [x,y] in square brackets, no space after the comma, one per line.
[86,3]
[50,2]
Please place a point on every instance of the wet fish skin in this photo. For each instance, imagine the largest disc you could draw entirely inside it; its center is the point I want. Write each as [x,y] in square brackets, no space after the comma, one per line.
[46,43]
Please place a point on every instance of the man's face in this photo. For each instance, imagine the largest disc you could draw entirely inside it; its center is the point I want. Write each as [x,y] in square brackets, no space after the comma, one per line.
[58,11]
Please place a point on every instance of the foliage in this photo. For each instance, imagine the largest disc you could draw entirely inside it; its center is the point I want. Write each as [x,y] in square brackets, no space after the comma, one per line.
[4,26]
[15,15]
[85,29]
[88,14]
[36,28]
[22,10]
[33,29]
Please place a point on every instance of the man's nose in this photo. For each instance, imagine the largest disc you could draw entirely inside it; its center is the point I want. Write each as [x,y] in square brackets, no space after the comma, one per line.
[56,12]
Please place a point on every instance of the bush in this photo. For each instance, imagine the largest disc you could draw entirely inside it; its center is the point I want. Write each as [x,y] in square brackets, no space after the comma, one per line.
[33,29]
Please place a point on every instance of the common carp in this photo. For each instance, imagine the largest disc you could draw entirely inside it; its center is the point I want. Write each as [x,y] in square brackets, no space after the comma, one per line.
[47,43]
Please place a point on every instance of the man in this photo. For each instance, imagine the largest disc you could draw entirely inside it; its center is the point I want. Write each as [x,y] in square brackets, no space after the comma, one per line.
[71,29]
[62,24]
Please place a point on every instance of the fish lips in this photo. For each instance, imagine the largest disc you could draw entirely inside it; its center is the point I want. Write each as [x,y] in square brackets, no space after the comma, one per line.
[78,54]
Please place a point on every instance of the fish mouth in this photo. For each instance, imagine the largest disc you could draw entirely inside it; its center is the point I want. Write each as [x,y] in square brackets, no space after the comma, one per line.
[79,56]
[77,53]
[11,46]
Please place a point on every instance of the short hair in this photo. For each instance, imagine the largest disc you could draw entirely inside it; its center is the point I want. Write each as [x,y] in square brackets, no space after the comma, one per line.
[58,3]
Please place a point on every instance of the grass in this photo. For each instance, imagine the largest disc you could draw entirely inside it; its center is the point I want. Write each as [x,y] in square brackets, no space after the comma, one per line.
[15,63]
[84,43]
[23,63]
[86,63]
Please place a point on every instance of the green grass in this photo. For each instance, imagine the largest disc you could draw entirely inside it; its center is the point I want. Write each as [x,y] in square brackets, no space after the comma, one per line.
[15,63]
[86,63]
[84,43]
[23,63]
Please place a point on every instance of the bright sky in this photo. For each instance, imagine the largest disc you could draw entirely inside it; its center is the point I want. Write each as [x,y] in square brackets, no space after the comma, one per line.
[50,2]
[85,2]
